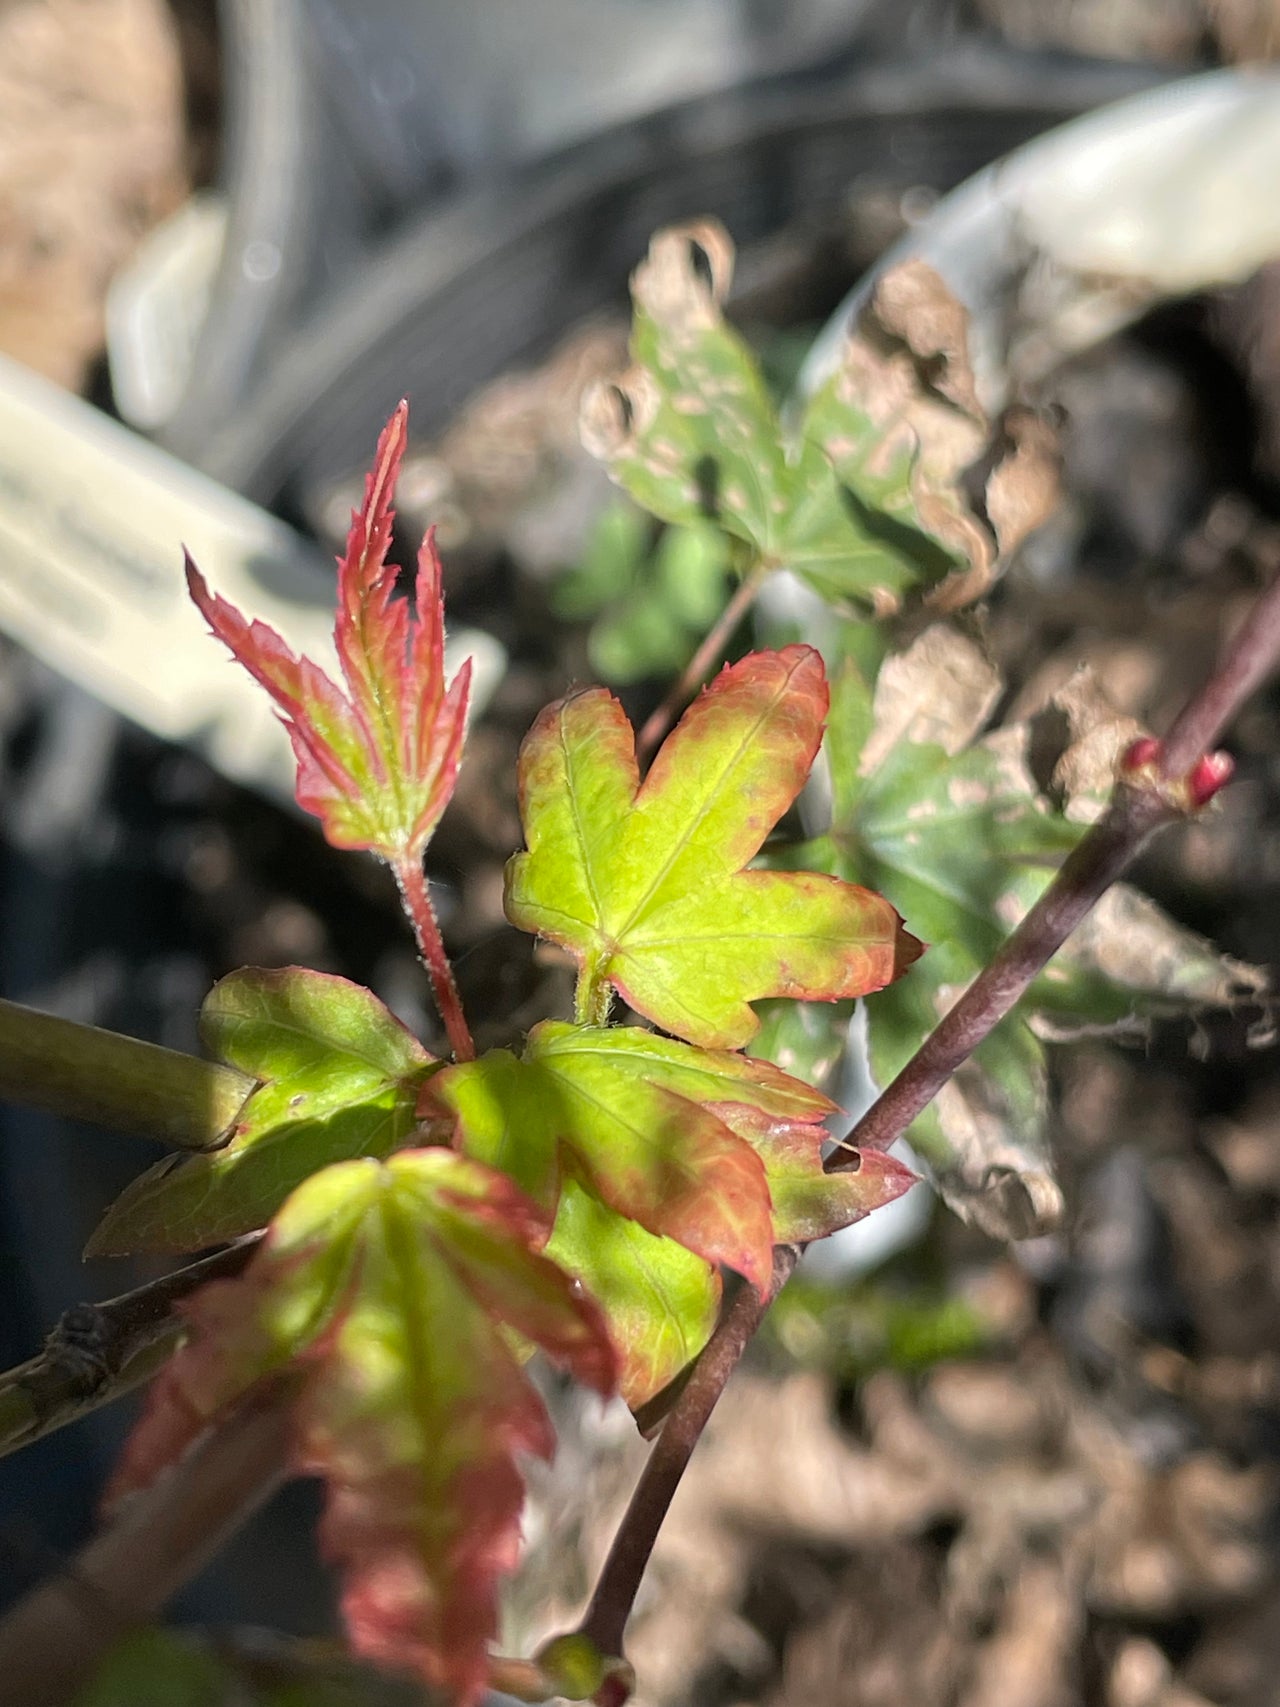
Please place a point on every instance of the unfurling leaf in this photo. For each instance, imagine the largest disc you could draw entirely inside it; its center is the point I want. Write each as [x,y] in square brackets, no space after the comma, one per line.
[645,883]
[377,763]
[339,1077]
[383,1289]
[865,501]
[649,1145]
[948,822]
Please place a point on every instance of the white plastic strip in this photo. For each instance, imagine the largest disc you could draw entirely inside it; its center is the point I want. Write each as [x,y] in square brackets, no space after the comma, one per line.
[92,524]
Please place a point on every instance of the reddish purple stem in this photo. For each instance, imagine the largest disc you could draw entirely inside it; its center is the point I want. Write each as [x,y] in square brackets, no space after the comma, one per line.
[1088,871]
[1250,657]
[606,1617]
[422,916]
[1142,803]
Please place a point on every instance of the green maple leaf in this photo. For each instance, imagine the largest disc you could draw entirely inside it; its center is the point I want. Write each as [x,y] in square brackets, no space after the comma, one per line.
[644,883]
[865,499]
[624,1112]
[950,824]
[384,1290]
[699,438]
[807,1203]
[664,1160]
[339,1077]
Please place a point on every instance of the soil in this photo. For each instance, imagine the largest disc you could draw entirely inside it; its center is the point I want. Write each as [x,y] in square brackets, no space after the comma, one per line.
[1076,1506]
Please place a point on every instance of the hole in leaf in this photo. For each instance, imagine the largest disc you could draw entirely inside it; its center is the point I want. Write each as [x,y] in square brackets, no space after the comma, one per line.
[623,405]
[700,263]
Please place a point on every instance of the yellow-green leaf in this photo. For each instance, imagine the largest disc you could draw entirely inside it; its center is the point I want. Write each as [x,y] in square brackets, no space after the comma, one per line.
[339,1077]
[644,883]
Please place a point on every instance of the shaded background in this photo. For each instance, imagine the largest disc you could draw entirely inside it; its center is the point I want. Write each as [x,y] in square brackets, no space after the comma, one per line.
[1015,1479]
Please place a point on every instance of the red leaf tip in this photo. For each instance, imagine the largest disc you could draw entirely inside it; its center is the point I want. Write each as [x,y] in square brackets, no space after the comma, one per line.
[907,949]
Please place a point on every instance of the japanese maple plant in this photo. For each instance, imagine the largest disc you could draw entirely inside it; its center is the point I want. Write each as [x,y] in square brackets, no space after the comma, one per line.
[398,1234]
[477,1209]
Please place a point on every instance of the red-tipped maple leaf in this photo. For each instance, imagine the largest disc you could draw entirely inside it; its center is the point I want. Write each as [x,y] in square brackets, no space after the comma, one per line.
[654,1155]
[647,883]
[376,764]
[385,1288]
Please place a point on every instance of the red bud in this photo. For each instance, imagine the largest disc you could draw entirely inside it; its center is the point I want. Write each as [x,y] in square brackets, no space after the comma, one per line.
[618,1688]
[1208,775]
[1144,751]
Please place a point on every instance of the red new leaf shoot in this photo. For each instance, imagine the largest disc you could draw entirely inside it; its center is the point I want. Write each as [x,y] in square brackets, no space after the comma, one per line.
[376,763]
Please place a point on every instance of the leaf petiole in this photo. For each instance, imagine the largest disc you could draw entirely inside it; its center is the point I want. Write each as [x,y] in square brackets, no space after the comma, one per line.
[704,660]
[605,1620]
[416,899]
[593,996]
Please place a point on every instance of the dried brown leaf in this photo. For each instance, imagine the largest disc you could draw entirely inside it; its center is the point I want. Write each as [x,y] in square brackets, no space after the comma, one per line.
[685,277]
[1086,772]
[913,305]
[995,1182]
[907,369]
[1129,940]
[1022,492]
[1023,489]
[941,690]
[616,411]
[683,296]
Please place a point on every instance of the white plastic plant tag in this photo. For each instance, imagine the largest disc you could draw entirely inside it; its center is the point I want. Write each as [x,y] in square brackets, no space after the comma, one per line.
[93,520]
[1074,235]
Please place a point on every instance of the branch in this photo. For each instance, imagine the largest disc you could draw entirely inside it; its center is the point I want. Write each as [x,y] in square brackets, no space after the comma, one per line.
[84,1073]
[1251,656]
[52,1641]
[99,1352]
[606,1617]
[1160,782]
[1088,871]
